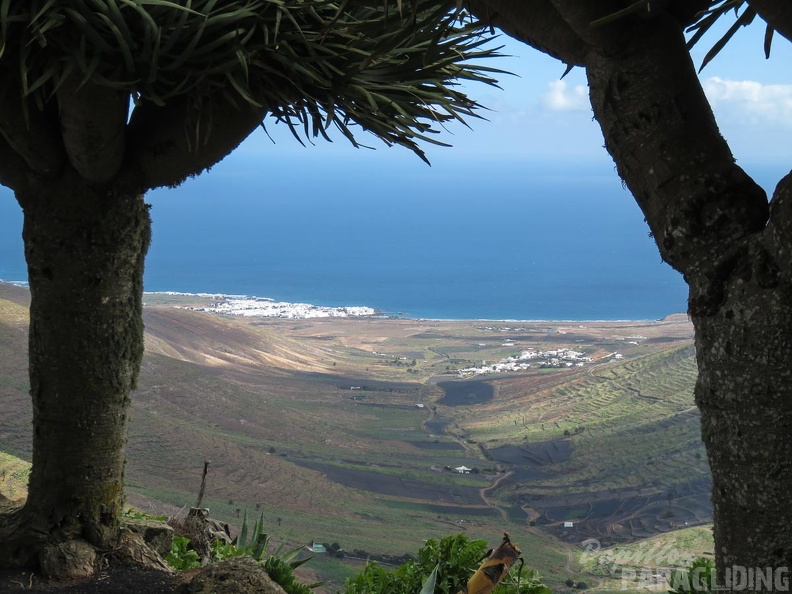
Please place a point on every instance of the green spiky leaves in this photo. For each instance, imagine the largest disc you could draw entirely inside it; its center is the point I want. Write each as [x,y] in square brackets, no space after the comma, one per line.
[314,64]
[744,16]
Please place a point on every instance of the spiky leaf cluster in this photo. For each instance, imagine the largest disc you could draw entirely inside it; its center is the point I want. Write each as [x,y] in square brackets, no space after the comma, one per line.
[311,63]
[718,10]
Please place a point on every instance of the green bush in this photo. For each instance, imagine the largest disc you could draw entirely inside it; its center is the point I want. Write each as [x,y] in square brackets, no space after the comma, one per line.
[279,565]
[447,564]
[181,557]
[456,559]
[698,578]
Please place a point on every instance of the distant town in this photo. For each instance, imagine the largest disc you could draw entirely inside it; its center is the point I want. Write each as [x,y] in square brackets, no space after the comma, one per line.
[557,358]
[268,308]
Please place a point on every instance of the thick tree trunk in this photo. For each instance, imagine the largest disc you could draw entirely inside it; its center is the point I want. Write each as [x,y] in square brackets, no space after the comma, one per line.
[744,391]
[85,250]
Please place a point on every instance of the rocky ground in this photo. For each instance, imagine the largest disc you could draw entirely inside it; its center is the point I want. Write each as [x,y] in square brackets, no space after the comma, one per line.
[114,580]
[241,575]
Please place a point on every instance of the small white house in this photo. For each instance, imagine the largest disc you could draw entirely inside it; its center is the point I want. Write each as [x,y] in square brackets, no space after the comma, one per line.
[463,469]
[569,525]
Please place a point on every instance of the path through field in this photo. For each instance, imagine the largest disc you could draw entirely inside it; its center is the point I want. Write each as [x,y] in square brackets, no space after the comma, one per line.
[489,502]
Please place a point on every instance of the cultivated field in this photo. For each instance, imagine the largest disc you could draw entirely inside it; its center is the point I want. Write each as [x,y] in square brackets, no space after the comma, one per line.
[349,430]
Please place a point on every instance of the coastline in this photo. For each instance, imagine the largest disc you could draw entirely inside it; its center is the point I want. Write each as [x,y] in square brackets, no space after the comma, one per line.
[245,306]
[252,306]
[554,320]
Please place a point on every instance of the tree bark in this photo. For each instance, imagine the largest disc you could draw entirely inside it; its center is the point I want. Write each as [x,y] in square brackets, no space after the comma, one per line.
[535,22]
[710,222]
[85,249]
[744,355]
[777,14]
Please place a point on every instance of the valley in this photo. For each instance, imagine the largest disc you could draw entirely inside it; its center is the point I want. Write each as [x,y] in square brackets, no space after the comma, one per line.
[354,430]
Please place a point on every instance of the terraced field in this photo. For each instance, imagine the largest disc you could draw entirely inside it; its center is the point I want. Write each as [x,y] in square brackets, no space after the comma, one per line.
[14,400]
[615,448]
[633,565]
[340,430]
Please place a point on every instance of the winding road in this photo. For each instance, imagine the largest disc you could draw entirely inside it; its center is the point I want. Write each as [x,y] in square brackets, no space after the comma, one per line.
[483,493]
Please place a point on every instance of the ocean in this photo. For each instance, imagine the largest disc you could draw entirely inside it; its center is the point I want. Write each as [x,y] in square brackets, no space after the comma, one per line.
[455,241]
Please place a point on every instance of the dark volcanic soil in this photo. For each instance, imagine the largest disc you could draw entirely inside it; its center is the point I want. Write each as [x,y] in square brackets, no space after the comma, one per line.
[113,580]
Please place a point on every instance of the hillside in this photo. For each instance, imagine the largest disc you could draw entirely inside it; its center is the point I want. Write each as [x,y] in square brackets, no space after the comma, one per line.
[317,423]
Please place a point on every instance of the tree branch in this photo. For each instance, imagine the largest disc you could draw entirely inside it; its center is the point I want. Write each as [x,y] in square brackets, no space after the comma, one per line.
[603,24]
[580,14]
[535,22]
[779,230]
[30,134]
[659,128]
[182,139]
[686,11]
[92,121]
[776,13]
[14,172]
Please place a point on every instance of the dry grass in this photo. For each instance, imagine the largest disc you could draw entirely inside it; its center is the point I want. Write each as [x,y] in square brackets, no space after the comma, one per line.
[14,474]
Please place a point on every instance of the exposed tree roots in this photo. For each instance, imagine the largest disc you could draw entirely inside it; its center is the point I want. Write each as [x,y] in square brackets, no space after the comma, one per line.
[19,545]
[23,545]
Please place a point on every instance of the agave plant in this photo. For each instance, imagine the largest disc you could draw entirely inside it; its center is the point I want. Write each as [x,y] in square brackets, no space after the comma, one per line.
[279,564]
[256,545]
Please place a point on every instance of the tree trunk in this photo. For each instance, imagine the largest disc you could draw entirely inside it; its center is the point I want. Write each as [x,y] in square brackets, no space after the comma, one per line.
[85,249]
[744,353]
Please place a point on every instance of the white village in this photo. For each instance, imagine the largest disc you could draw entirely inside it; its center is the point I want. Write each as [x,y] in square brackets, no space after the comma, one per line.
[557,358]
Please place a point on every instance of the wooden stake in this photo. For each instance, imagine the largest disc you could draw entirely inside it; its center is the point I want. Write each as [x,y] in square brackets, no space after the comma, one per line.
[203,484]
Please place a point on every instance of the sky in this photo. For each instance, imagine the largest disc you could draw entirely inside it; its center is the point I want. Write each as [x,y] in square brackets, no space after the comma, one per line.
[537,117]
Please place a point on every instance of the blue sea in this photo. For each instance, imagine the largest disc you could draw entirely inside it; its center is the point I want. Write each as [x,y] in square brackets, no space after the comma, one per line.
[454,241]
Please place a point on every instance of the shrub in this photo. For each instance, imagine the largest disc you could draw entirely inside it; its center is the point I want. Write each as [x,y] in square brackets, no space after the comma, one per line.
[181,557]
[698,578]
[279,565]
[456,559]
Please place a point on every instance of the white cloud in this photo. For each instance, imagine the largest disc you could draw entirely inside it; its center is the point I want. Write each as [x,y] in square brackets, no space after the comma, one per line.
[750,101]
[559,97]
